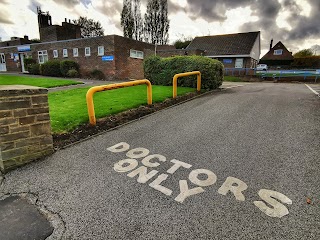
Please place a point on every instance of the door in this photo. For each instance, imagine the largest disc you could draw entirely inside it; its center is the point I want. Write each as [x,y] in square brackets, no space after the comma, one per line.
[239,63]
[22,62]
[3,66]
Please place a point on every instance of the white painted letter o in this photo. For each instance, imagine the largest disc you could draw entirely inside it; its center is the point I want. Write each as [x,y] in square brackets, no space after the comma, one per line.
[211,179]
[118,167]
[137,153]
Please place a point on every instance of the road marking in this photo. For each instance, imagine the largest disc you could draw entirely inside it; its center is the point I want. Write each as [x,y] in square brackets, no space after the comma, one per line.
[145,172]
[312,90]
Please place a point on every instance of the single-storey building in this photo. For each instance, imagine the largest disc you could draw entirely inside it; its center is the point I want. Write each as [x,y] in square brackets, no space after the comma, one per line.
[239,50]
[277,56]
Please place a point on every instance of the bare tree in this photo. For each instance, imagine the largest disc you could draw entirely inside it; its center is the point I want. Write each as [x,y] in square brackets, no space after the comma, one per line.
[89,27]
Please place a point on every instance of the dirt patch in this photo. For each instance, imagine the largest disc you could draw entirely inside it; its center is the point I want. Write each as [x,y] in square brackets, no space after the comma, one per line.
[103,124]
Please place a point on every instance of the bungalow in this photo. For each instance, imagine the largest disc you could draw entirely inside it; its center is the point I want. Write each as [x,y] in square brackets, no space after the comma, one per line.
[239,50]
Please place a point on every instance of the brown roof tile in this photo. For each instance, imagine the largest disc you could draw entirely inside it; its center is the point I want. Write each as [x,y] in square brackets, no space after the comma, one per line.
[229,44]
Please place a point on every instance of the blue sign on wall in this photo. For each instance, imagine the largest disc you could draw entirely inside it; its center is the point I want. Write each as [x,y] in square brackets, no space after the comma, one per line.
[107,58]
[227,60]
[24,48]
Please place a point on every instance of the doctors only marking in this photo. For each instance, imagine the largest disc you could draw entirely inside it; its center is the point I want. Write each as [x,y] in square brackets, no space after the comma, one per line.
[145,173]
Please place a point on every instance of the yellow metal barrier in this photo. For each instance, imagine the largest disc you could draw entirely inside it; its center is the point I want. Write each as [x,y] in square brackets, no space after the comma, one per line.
[175,80]
[91,91]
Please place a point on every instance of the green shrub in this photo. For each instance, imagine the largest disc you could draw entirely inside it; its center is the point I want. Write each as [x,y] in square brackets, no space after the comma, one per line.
[51,68]
[34,68]
[97,74]
[72,73]
[67,65]
[160,71]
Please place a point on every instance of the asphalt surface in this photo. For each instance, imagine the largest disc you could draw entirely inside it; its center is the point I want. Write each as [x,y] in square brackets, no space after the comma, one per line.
[262,135]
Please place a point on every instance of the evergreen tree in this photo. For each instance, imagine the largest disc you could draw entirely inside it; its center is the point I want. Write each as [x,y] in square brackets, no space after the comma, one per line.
[127,21]
[137,20]
[156,25]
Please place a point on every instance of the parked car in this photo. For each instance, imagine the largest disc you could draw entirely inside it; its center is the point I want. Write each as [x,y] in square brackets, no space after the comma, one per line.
[262,67]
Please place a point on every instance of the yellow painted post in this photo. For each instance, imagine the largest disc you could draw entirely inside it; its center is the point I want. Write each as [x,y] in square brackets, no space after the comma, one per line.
[175,80]
[91,91]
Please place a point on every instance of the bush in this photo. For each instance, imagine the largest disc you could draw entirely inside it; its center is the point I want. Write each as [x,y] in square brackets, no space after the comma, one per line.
[306,62]
[34,69]
[51,68]
[67,65]
[72,73]
[160,71]
[97,74]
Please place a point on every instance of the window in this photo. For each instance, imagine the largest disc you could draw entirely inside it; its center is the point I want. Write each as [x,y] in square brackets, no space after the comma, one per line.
[55,53]
[43,56]
[100,50]
[11,55]
[136,54]
[65,52]
[87,51]
[75,52]
[277,52]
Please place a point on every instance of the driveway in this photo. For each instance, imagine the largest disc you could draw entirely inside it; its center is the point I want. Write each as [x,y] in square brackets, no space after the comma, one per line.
[239,164]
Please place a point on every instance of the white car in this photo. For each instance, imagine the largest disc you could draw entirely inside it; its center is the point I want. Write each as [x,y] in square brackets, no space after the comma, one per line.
[262,67]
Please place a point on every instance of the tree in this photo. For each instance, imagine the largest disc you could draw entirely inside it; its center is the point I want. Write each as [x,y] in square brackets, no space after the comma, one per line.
[127,21]
[89,27]
[182,42]
[156,25]
[304,53]
[137,21]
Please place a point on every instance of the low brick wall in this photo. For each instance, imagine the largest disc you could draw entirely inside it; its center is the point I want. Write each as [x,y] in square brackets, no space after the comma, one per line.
[25,130]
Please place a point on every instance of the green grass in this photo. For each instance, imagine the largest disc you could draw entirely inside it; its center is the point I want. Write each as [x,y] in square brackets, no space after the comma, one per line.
[68,109]
[34,81]
[232,79]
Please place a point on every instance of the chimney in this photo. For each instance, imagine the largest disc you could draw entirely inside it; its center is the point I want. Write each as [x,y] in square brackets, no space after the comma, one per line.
[271,43]
[69,21]
[65,20]
[26,37]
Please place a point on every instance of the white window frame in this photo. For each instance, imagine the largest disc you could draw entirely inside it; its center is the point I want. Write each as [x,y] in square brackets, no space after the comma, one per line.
[55,54]
[42,56]
[75,52]
[278,52]
[100,50]
[11,55]
[87,51]
[136,54]
[65,52]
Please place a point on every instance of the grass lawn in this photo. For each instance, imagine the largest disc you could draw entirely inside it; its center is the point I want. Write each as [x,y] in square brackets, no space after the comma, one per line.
[68,109]
[34,81]
[232,79]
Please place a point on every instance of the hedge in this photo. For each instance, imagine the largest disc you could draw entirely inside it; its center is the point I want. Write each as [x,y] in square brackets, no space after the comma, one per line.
[34,68]
[306,62]
[67,65]
[51,68]
[160,71]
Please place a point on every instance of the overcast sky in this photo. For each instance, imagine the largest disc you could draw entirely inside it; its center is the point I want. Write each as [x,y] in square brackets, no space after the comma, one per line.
[294,22]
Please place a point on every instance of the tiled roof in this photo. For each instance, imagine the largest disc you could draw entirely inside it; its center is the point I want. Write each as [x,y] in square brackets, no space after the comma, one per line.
[286,55]
[229,44]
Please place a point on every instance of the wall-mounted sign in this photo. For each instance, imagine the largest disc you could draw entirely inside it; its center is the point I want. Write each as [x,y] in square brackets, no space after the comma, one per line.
[24,48]
[107,58]
[227,60]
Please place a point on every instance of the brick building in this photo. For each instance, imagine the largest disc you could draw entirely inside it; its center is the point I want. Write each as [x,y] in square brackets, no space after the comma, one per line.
[278,56]
[117,57]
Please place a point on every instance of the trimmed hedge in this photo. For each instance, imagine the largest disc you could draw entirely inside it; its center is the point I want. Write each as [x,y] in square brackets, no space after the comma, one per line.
[67,65]
[34,68]
[160,71]
[306,62]
[51,68]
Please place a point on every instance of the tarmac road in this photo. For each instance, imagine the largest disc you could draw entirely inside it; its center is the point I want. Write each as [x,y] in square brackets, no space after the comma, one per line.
[240,164]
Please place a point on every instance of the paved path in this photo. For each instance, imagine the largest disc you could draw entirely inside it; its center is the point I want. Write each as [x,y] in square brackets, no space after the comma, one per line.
[239,164]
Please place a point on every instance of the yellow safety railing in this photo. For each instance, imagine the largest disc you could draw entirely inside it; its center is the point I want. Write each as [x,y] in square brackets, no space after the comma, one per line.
[175,80]
[91,91]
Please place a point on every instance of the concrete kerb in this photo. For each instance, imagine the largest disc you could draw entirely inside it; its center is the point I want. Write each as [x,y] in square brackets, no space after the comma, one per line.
[138,119]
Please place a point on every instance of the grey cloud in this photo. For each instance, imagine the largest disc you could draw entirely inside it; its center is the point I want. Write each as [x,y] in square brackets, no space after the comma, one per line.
[68,3]
[214,10]
[33,6]
[113,10]
[4,18]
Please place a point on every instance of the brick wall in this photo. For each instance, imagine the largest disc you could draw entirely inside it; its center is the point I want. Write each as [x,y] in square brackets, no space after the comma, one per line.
[176,52]
[25,130]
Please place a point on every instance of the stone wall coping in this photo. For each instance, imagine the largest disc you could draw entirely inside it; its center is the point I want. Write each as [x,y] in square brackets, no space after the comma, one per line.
[11,90]
[18,87]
